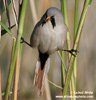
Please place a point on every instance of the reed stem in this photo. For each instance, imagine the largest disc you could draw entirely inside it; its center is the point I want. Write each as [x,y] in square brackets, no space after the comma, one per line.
[13,59]
[79,30]
[64,7]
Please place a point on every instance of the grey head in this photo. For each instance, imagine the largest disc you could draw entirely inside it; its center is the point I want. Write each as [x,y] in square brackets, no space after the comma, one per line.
[54,15]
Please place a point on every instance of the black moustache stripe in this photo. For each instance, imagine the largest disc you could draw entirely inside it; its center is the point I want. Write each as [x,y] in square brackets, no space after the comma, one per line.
[53,21]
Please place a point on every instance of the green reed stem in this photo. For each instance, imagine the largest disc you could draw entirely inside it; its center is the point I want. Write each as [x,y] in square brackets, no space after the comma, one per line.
[20,32]
[73,78]
[80,26]
[10,71]
[64,11]
[64,7]
[75,30]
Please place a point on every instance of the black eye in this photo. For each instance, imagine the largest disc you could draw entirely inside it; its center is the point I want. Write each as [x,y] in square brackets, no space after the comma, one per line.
[53,21]
[44,18]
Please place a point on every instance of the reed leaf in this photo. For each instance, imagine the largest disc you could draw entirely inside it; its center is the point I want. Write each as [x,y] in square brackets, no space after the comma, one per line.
[4,31]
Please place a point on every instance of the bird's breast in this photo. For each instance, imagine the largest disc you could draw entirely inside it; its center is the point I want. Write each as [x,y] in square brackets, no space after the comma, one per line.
[51,39]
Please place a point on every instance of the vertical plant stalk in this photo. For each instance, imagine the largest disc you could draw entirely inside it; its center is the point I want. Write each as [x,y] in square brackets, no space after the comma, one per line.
[75,30]
[10,71]
[66,22]
[0,84]
[73,87]
[14,41]
[64,6]
[20,31]
[0,53]
[0,46]
[14,12]
[80,26]
[33,11]
[7,12]
[76,18]
[47,89]
[62,61]
[64,11]
[0,20]
[16,77]
[9,32]
[62,56]
[73,77]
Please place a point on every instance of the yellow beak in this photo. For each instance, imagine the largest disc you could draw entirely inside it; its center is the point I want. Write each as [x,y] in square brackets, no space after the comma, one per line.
[48,18]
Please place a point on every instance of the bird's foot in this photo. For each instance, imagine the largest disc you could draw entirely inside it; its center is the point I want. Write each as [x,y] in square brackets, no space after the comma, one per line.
[72,52]
[23,41]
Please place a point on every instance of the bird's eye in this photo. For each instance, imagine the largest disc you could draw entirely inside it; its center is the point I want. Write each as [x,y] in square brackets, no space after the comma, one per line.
[44,21]
[44,18]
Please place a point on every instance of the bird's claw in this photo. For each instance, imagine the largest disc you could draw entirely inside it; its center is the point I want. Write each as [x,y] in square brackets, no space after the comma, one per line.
[22,40]
[71,52]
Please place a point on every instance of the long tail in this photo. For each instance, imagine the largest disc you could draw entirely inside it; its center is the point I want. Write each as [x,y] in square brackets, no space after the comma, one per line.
[42,68]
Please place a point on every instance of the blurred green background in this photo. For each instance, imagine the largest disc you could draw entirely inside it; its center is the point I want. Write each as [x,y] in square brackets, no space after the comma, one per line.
[86,63]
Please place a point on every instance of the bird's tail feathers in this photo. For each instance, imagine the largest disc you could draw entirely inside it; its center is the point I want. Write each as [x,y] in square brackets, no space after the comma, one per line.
[40,74]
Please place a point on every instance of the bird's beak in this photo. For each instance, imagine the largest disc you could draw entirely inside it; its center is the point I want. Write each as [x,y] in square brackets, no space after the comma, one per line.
[48,19]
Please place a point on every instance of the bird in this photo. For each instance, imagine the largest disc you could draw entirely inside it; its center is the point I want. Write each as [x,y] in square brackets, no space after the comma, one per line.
[48,36]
